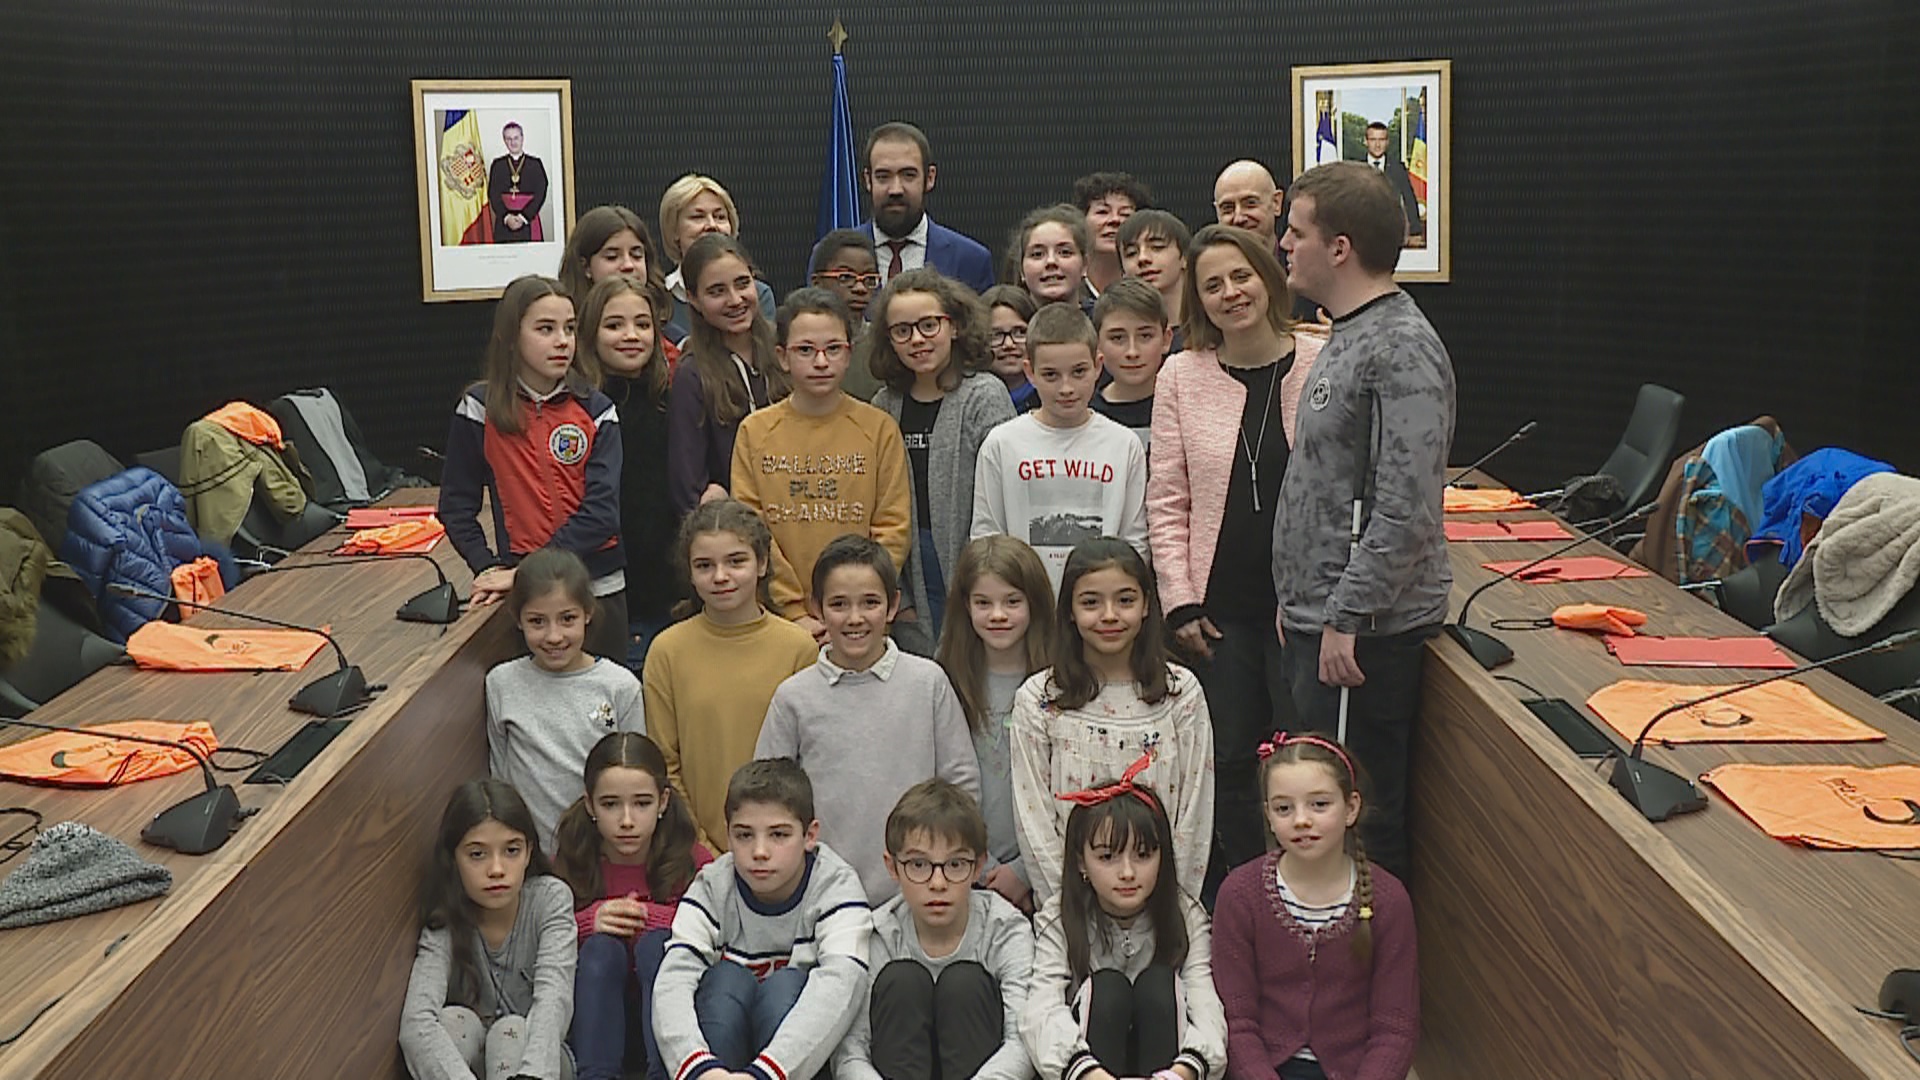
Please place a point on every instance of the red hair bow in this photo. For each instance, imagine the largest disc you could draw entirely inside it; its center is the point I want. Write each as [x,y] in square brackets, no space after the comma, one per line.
[1280,738]
[1123,786]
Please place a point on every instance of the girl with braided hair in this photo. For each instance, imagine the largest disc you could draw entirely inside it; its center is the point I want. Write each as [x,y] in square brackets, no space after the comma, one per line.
[1301,1002]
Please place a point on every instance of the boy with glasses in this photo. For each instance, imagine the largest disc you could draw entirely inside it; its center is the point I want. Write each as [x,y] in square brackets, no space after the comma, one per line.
[950,962]
[844,264]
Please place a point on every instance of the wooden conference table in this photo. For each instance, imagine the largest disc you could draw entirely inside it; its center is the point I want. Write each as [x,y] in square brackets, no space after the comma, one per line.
[1563,935]
[284,953]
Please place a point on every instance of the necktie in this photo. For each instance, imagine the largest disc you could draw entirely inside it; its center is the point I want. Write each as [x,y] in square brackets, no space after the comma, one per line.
[894,265]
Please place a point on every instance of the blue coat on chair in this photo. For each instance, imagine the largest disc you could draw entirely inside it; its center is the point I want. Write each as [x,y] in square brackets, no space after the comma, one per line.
[130,528]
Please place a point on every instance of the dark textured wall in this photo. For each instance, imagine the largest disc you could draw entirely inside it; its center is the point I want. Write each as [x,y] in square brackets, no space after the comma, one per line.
[216,199]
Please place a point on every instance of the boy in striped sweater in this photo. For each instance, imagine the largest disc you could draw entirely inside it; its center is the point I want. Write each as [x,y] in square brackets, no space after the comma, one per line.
[768,960]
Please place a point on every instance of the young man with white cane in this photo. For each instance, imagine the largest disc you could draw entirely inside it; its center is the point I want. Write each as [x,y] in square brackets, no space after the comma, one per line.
[1359,554]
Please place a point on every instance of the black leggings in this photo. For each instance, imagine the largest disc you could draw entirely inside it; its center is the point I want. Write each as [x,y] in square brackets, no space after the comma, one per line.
[1133,1026]
[927,1029]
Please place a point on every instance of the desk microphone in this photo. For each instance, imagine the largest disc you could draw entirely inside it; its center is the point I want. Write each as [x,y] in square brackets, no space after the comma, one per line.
[1519,436]
[1490,651]
[439,604]
[1659,793]
[193,827]
[329,695]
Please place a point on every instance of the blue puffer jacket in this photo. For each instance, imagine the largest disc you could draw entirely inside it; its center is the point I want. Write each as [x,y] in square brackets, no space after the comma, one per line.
[130,528]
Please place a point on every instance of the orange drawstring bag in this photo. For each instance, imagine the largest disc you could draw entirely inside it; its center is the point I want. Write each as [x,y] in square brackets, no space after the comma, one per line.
[249,423]
[96,759]
[165,646]
[1481,500]
[198,582]
[1837,807]
[1782,711]
[399,538]
[1606,618]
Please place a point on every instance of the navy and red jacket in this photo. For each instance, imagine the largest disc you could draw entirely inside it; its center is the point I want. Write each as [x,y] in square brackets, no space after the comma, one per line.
[556,483]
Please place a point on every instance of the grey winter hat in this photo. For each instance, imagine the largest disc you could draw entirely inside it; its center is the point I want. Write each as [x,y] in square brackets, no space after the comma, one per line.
[74,869]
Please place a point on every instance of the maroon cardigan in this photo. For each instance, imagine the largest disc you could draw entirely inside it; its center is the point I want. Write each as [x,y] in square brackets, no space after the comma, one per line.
[1363,1021]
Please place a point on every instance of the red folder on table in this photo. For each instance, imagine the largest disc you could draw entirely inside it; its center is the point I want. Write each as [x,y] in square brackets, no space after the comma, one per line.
[1506,530]
[1578,568]
[1729,652]
[377,517]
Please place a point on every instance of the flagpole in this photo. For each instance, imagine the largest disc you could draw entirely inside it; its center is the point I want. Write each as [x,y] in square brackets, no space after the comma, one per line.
[838,34]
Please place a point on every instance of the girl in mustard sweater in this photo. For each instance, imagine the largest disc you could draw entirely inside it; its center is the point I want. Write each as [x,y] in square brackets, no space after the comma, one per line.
[709,679]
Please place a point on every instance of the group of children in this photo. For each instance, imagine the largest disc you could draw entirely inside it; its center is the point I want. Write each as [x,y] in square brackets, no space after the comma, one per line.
[772,960]
[912,787]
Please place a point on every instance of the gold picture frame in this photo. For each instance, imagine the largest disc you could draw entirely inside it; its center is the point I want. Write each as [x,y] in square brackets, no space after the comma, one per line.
[1335,104]
[487,214]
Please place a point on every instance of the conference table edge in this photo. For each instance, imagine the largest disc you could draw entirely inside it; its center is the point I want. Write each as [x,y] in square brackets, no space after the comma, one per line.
[54,1033]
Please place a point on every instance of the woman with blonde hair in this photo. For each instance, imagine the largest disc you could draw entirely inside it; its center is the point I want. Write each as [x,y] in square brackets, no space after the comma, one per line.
[690,208]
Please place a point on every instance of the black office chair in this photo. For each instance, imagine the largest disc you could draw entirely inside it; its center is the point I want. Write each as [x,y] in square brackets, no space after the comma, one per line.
[63,653]
[1747,594]
[1809,635]
[1645,451]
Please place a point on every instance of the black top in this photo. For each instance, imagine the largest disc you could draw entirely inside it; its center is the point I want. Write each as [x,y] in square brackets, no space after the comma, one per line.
[1136,416]
[1240,584]
[647,519]
[916,429]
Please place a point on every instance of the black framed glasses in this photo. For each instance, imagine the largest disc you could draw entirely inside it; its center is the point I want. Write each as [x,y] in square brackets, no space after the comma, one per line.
[927,325]
[958,870]
[847,279]
[1017,335]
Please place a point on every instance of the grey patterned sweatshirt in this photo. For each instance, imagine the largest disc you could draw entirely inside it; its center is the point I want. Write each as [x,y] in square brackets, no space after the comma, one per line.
[1384,366]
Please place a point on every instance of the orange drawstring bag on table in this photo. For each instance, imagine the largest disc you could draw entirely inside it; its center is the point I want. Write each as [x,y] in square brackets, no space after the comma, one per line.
[1836,807]
[417,537]
[1606,618]
[1782,711]
[1481,500]
[165,646]
[96,759]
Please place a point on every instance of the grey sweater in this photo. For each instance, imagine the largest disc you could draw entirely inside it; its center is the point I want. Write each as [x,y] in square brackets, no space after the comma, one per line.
[529,976]
[994,747]
[971,410]
[997,938]
[541,725]
[1384,367]
[823,929]
[864,738]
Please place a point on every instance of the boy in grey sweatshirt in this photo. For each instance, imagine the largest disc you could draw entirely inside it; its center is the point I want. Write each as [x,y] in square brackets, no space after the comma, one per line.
[768,960]
[950,962]
[867,721]
[1376,422]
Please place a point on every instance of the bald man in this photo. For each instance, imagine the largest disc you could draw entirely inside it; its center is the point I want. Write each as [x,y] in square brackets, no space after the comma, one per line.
[1246,197]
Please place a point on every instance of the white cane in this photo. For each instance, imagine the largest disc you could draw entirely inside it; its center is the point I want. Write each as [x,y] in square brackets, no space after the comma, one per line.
[1353,547]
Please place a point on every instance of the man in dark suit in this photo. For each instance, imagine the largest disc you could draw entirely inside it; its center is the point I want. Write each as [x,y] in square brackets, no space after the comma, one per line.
[1396,174]
[899,172]
[517,189]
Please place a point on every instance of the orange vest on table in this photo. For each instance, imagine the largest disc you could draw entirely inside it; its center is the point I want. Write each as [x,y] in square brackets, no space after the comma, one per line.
[97,759]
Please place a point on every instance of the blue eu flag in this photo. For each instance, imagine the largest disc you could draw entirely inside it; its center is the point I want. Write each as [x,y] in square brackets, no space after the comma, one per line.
[840,184]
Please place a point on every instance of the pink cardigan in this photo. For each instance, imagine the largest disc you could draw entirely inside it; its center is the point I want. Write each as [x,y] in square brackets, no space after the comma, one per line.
[1362,1021]
[1196,433]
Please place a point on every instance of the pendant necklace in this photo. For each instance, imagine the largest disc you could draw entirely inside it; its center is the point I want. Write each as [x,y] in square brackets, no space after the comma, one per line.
[1253,450]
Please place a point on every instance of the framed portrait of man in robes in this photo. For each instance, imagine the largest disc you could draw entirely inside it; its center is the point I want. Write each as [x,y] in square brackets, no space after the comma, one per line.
[1396,118]
[494,161]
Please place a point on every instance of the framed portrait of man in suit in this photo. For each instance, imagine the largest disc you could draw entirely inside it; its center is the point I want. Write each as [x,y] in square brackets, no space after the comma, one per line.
[1395,118]
[494,162]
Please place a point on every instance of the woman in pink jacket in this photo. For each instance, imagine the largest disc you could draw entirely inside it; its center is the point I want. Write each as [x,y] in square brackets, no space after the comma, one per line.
[1223,416]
